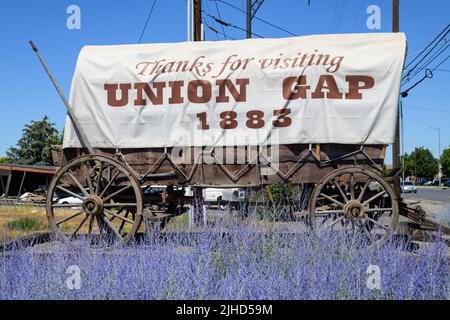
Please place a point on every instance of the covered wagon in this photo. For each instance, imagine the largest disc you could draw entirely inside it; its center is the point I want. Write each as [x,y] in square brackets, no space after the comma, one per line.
[313,110]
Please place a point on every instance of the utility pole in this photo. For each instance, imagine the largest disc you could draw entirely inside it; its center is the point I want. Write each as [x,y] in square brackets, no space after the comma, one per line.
[197,20]
[396,146]
[252,8]
[249,19]
[439,154]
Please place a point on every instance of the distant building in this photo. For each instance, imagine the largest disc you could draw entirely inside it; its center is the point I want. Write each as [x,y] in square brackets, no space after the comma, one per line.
[16,179]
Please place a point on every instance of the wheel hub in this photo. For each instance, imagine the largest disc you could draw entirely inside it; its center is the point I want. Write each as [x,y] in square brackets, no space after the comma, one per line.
[354,210]
[93,205]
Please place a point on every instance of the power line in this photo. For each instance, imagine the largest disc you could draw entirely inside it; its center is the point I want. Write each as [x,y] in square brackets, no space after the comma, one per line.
[255,7]
[255,17]
[440,63]
[406,67]
[227,24]
[443,70]
[217,31]
[433,44]
[220,17]
[146,22]
[213,23]
[427,63]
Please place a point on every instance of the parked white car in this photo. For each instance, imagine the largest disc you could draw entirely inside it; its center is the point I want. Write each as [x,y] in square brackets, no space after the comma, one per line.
[221,195]
[70,200]
[408,186]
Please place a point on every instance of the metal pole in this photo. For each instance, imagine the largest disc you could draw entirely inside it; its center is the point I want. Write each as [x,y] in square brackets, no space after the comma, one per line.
[189,34]
[197,20]
[396,145]
[249,19]
[76,124]
[402,139]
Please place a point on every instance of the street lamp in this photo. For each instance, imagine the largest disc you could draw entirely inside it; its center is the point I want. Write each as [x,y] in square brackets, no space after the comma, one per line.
[439,155]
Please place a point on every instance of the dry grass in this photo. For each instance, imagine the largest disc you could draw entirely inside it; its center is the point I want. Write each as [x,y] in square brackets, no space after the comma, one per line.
[18,215]
[9,215]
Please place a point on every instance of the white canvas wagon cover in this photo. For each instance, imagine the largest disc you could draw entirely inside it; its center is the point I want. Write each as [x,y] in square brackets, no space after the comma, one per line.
[311,89]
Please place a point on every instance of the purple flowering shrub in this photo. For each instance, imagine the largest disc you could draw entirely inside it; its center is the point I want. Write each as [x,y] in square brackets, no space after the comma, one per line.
[243,263]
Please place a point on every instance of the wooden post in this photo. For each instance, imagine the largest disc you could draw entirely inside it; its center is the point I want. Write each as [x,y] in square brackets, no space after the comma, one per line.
[396,145]
[249,19]
[3,185]
[197,206]
[21,184]
[197,20]
[8,183]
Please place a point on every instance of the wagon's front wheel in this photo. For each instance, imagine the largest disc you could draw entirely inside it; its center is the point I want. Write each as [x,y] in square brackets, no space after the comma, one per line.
[97,198]
[356,199]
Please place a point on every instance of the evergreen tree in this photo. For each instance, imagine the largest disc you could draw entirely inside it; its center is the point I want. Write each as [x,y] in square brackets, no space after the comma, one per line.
[34,148]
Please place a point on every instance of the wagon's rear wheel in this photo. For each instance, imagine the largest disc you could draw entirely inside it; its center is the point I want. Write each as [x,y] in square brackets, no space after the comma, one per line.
[97,198]
[355,199]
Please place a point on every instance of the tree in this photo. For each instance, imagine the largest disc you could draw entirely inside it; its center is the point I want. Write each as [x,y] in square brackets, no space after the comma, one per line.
[34,148]
[420,163]
[4,160]
[445,162]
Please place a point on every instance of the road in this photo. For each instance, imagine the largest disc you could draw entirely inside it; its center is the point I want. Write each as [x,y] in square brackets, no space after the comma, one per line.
[430,193]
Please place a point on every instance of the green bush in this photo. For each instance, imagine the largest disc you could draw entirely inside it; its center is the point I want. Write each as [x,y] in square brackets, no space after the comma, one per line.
[24,224]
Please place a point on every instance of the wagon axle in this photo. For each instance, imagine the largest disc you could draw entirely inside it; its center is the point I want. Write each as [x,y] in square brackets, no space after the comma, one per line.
[354,209]
[93,205]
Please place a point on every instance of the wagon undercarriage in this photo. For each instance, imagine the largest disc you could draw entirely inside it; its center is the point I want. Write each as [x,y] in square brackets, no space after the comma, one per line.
[340,191]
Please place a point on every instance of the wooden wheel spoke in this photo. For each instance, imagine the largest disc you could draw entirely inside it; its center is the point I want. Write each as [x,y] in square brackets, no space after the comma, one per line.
[77,183]
[91,224]
[377,223]
[331,199]
[79,226]
[344,197]
[118,216]
[118,204]
[367,232]
[99,178]
[112,195]
[366,185]
[73,194]
[352,186]
[378,209]
[329,211]
[114,177]
[379,194]
[336,221]
[66,205]
[89,182]
[69,217]
[111,226]
[122,223]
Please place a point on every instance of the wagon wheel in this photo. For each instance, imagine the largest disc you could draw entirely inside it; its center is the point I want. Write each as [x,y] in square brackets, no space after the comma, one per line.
[356,199]
[95,197]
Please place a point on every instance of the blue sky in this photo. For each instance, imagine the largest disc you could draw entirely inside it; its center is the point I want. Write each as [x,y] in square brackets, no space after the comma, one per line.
[26,93]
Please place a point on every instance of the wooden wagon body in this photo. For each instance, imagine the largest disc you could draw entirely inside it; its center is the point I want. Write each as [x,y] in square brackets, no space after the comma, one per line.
[252,166]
